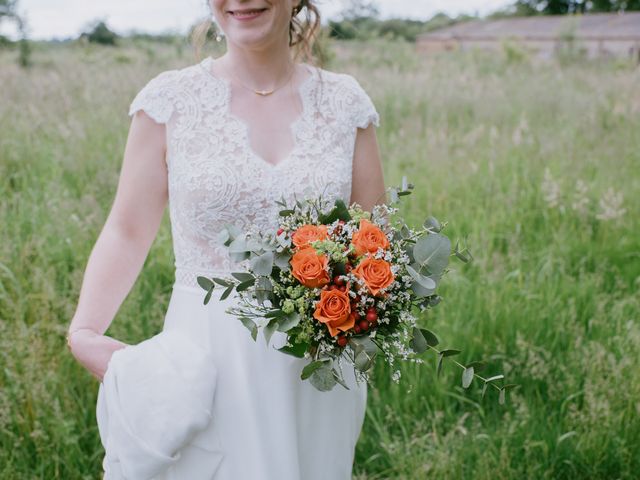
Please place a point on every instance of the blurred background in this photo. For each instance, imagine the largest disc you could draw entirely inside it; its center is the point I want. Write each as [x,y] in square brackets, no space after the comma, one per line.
[518,122]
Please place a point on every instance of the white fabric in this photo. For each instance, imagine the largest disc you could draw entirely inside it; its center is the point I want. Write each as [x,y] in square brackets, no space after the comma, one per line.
[266,423]
[216,178]
[154,400]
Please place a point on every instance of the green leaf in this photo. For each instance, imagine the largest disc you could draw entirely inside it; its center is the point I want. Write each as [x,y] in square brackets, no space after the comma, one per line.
[467,377]
[205,283]
[336,375]
[312,367]
[269,329]
[245,285]
[221,281]
[227,292]
[207,297]
[323,379]
[494,378]
[297,349]
[251,325]
[418,343]
[282,259]
[239,245]
[449,353]
[432,224]
[339,212]
[432,251]
[502,396]
[477,366]
[242,276]
[439,367]
[424,281]
[430,337]
[484,388]
[262,264]
[289,321]
[286,213]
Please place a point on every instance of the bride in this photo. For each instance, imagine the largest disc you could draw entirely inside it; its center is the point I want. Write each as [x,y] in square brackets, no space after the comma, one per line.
[220,141]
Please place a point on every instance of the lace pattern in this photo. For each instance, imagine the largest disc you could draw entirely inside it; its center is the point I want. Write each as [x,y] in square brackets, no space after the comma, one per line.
[214,176]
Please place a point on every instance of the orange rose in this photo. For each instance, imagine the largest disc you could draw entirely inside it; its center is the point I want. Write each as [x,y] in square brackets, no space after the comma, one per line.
[375,272]
[308,233]
[309,267]
[334,310]
[368,238]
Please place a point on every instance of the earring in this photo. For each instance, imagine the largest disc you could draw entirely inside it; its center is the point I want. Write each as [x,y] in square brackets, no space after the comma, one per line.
[219,33]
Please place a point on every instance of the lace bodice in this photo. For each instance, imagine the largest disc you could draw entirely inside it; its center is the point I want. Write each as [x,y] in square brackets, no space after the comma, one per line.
[214,176]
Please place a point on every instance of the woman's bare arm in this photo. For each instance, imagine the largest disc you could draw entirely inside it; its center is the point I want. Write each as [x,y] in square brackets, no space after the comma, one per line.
[367,187]
[122,246]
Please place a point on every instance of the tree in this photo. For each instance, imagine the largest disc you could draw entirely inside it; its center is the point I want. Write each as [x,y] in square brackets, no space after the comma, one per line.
[356,9]
[558,7]
[101,34]
[8,11]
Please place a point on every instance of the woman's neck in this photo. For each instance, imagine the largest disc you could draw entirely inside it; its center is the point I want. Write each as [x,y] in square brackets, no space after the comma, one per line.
[262,68]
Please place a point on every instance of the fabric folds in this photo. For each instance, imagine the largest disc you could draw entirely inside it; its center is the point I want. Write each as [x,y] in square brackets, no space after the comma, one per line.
[154,405]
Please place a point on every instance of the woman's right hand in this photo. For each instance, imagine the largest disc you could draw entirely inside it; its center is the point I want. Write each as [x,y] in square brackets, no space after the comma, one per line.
[93,350]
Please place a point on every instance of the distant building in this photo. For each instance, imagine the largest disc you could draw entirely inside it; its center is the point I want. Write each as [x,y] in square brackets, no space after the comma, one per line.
[599,34]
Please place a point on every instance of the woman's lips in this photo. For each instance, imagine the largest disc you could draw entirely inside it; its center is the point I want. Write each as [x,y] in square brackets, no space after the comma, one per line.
[247,14]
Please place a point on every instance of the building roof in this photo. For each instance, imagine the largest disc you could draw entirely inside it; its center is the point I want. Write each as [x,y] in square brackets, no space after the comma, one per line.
[621,26]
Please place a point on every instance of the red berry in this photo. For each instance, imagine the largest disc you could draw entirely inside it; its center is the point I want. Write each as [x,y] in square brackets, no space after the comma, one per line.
[343,288]
[337,280]
[342,341]
[357,328]
[355,315]
[364,325]
[280,230]
[371,309]
[371,316]
[374,323]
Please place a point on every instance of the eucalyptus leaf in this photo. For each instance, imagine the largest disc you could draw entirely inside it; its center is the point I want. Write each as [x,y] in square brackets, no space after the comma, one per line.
[263,264]
[242,276]
[432,224]
[494,378]
[281,259]
[227,292]
[312,367]
[418,343]
[449,353]
[432,251]
[288,322]
[425,282]
[269,329]
[223,237]
[245,285]
[222,281]
[467,377]
[297,349]
[502,396]
[251,326]
[207,297]
[430,337]
[336,375]
[238,245]
[323,379]
[205,283]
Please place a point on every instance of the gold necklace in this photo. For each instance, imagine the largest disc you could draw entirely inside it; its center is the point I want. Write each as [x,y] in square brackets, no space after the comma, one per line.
[263,93]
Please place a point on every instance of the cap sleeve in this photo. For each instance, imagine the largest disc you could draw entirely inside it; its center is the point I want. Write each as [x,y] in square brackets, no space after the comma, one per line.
[156,98]
[364,111]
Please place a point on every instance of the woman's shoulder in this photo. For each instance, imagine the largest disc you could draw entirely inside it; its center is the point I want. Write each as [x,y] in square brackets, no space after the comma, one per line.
[351,97]
[158,95]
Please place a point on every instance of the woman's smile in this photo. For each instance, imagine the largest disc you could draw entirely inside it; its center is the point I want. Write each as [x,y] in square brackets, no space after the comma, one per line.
[246,14]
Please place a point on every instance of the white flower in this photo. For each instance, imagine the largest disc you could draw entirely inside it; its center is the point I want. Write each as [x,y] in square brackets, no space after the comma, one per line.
[611,205]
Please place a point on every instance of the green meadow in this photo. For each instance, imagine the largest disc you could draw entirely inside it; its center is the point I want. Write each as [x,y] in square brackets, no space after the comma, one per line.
[534,163]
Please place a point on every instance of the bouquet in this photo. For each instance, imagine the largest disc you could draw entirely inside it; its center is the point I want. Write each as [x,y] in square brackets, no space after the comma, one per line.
[344,285]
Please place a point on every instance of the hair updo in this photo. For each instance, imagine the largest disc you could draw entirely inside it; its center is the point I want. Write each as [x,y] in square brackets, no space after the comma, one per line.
[303,32]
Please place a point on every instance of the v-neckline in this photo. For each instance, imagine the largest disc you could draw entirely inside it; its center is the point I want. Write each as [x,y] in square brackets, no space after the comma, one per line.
[302,90]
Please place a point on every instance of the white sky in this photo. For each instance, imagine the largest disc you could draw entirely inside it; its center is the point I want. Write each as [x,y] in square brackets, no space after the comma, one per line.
[48,19]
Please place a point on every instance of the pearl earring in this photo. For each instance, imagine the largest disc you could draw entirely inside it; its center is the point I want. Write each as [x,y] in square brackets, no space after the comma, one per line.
[219,33]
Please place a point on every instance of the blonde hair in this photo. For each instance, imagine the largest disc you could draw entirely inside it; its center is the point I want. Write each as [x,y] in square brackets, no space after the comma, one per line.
[303,33]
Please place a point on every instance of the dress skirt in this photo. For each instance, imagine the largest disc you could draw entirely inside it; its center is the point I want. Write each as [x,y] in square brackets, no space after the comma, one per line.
[241,410]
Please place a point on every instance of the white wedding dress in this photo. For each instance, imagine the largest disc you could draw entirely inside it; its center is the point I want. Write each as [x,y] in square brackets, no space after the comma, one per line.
[263,421]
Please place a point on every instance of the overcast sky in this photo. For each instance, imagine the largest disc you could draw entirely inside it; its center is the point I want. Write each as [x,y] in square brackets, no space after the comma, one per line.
[67,18]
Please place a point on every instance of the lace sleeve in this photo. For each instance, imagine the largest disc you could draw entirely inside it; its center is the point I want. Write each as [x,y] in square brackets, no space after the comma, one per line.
[364,111]
[156,97]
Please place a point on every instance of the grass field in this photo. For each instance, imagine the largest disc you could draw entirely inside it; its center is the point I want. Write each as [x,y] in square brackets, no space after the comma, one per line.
[537,164]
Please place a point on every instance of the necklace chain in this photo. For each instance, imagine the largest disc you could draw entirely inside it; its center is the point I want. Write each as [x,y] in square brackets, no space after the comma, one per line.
[263,93]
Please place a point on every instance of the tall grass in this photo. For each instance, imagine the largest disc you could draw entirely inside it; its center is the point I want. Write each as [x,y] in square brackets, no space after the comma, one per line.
[535,163]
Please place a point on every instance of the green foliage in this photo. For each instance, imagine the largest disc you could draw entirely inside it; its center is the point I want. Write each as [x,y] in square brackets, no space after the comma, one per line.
[101,34]
[550,298]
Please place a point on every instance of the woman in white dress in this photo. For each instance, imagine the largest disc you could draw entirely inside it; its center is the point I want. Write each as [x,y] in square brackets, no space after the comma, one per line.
[220,141]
